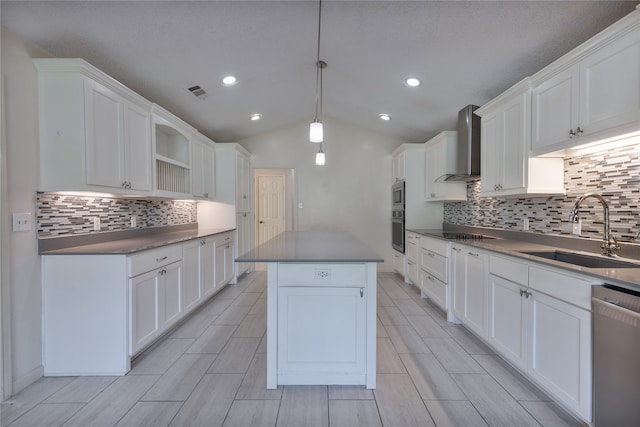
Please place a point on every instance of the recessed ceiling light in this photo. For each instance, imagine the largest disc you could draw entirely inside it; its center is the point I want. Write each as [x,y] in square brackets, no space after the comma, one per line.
[254,117]
[384,117]
[229,80]
[412,82]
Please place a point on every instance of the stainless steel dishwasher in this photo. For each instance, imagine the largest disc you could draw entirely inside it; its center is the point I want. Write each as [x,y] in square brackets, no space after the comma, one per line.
[616,356]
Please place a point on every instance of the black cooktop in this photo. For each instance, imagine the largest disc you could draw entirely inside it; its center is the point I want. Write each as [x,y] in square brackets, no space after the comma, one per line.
[453,235]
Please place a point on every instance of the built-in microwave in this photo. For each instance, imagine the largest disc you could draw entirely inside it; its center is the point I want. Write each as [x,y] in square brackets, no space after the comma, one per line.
[397,195]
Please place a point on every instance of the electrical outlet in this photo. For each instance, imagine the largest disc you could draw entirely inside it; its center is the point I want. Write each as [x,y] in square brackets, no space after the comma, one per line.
[576,228]
[133,221]
[525,224]
[21,221]
[96,223]
[322,274]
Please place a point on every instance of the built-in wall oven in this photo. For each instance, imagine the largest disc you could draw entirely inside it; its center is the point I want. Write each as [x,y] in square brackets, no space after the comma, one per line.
[397,216]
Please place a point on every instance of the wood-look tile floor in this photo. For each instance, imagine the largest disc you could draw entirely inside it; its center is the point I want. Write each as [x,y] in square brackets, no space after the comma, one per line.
[211,371]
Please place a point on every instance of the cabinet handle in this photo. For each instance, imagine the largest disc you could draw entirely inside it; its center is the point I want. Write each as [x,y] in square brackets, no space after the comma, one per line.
[430,278]
[244,197]
[161,259]
[571,134]
[474,254]
[202,242]
[361,292]
[124,184]
[579,131]
[431,254]
[228,246]
[456,249]
[521,292]
[528,294]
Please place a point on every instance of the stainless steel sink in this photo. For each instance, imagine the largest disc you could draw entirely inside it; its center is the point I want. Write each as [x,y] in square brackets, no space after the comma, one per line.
[590,261]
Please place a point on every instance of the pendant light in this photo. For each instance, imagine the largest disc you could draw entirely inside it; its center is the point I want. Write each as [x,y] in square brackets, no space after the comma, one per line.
[316,133]
[320,158]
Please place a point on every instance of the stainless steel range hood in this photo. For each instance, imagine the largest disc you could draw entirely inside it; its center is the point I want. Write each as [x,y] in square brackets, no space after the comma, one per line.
[468,147]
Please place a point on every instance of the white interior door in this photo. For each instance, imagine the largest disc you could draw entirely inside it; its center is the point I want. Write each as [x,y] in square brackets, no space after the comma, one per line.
[271,207]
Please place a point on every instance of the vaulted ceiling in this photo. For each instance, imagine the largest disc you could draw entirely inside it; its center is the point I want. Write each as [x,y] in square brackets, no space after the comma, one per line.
[464,52]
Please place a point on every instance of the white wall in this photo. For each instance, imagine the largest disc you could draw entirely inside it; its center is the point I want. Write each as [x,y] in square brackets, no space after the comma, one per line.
[351,192]
[21,115]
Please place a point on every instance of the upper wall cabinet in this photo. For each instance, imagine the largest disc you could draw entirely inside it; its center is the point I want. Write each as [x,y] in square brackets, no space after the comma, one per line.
[591,93]
[95,134]
[171,139]
[203,160]
[440,155]
[233,176]
[507,168]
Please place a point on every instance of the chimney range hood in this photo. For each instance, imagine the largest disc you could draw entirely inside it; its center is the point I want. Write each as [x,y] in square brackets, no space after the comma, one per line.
[468,147]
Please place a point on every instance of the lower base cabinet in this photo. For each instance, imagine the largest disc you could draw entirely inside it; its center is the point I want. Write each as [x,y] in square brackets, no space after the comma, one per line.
[469,278]
[121,304]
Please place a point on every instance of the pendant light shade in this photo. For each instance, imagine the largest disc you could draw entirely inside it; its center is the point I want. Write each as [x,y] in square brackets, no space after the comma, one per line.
[315,131]
[320,159]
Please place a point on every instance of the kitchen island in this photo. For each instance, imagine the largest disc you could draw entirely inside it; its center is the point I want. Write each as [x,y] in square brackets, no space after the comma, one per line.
[321,308]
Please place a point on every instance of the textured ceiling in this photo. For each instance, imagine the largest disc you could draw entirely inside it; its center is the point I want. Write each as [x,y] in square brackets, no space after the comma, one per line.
[464,52]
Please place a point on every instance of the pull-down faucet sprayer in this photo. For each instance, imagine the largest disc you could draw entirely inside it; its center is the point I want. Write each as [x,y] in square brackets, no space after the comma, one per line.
[609,244]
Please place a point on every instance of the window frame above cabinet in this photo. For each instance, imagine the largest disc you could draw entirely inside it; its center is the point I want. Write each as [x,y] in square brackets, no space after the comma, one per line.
[567,91]
[508,169]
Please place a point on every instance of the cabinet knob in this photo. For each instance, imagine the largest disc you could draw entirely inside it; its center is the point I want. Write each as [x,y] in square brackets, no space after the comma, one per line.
[571,133]
[579,131]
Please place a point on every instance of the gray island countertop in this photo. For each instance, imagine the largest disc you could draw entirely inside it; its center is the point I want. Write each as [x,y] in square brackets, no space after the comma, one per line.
[312,246]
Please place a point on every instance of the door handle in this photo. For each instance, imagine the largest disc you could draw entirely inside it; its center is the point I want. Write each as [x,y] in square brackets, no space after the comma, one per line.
[261,222]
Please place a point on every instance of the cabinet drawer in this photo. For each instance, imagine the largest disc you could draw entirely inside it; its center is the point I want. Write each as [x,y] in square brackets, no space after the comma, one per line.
[567,288]
[223,238]
[300,274]
[434,263]
[438,246]
[149,260]
[434,289]
[514,271]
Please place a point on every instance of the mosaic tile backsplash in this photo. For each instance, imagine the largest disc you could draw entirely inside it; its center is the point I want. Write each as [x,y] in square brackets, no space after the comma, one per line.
[614,174]
[63,215]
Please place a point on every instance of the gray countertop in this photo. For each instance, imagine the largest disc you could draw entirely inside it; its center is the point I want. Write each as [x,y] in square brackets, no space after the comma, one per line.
[502,243]
[124,243]
[312,246]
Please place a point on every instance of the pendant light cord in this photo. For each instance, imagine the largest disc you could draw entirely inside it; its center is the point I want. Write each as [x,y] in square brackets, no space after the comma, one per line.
[319,67]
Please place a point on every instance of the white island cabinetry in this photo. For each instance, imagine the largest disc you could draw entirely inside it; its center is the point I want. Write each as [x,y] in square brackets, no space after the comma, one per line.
[321,309]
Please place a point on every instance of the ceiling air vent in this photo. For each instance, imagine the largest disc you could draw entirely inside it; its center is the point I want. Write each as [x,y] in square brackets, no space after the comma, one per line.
[197,91]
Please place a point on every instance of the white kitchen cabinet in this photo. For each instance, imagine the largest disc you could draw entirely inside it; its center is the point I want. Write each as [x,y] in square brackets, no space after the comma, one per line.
[433,271]
[224,260]
[508,309]
[233,186]
[417,213]
[171,138]
[203,163]
[470,287]
[156,304]
[591,93]
[507,168]
[321,329]
[199,271]
[243,240]
[440,160]
[397,167]
[411,255]
[94,132]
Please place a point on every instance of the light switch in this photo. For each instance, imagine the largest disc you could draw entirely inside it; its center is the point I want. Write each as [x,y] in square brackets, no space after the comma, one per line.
[21,221]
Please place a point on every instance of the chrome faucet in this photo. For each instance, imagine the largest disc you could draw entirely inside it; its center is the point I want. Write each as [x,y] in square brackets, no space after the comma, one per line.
[609,244]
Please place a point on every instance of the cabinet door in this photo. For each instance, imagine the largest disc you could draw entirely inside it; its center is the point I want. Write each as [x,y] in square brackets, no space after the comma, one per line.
[197,169]
[560,348]
[137,146]
[398,167]
[243,241]
[321,329]
[610,85]
[476,269]
[144,294]
[243,184]
[457,279]
[191,271]
[209,173]
[229,261]
[208,266]
[514,143]
[172,307]
[555,110]
[507,320]
[492,152]
[104,143]
[219,265]
[434,161]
